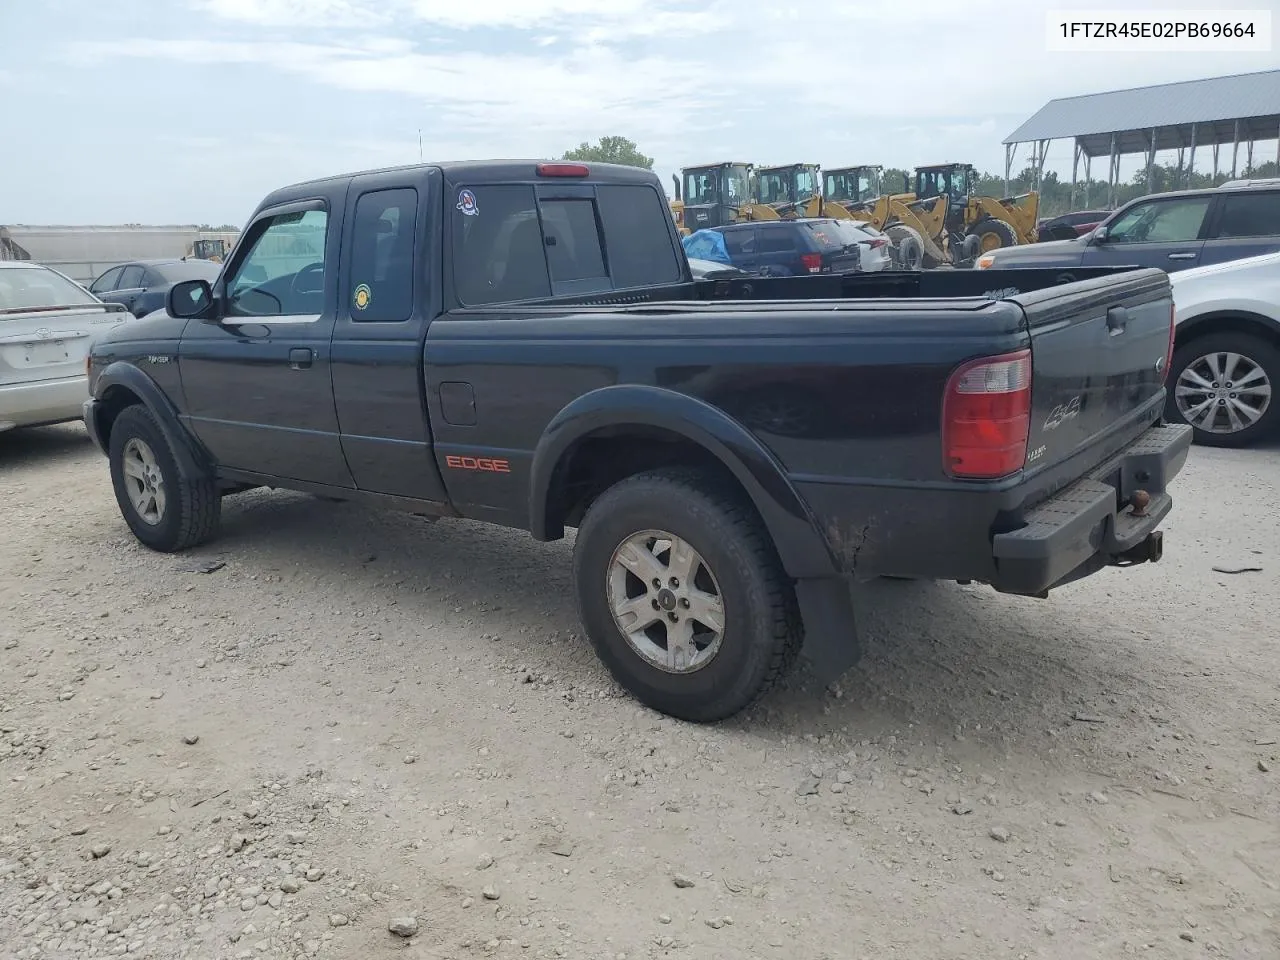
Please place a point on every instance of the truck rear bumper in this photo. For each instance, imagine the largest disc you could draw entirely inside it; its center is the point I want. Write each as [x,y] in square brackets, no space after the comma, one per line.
[1108,518]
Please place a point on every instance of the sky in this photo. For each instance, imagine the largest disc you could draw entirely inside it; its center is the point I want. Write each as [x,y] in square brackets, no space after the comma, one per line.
[189,111]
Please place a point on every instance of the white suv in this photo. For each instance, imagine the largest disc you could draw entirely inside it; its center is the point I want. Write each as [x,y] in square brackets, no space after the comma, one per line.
[1226,361]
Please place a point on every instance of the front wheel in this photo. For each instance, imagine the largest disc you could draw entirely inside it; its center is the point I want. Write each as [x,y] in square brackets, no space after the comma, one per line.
[165,510]
[683,596]
[1222,384]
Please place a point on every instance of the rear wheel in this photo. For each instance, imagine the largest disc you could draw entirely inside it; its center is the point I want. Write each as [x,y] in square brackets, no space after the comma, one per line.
[165,510]
[992,234]
[683,596]
[1223,385]
[908,246]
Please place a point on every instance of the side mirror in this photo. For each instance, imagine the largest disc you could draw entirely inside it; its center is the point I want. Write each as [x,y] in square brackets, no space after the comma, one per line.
[1099,235]
[190,300]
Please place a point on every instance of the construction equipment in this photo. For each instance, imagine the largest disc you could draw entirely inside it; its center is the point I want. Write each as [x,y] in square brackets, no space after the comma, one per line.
[973,225]
[911,227]
[852,187]
[790,192]
[714,194]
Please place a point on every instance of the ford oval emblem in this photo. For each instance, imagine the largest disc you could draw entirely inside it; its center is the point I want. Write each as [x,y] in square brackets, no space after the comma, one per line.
[44,333]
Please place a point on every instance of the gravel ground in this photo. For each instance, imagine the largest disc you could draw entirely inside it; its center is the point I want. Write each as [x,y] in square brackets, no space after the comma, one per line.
[362,721]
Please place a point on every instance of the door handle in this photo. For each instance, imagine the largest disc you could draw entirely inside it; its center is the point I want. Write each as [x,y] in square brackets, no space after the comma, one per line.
[1182,256]
[300,358]
[1117,317]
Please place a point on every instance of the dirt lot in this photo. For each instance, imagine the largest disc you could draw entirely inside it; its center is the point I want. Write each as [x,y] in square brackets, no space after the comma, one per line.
[362,717]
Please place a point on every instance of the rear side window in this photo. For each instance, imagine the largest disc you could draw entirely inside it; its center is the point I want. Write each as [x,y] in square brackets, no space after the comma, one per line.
[740,242]
[1249,215]
[107,281]
[780,240]
[572,238]
[497,245]
[638,237]
[131,278]
[383,256]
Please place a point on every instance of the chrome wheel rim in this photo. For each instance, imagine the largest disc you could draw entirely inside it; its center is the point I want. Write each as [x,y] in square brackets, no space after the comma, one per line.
[1223,392]
[143,481]
[666,601]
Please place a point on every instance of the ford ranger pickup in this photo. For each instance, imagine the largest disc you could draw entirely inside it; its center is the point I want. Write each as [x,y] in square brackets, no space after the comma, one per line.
[522,343]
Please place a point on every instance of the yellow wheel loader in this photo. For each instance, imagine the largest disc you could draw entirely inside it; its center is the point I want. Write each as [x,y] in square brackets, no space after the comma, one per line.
[791,192]
[973,225]
[912,227]
[714,195]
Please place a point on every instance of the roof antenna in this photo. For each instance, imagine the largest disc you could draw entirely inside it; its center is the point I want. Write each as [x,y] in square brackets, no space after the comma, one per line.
[419,144]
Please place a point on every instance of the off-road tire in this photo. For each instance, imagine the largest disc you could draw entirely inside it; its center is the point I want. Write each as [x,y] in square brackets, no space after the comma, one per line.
[193,505]
[762,632]
[908,247]
[989,226]
[1256,349]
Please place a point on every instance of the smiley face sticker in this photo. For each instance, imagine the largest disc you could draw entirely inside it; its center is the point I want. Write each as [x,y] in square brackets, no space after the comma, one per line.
[467,203]
[362,297]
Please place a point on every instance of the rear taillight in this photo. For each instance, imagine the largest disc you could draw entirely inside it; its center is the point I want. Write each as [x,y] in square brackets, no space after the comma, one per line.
[877,242]
[1173,329]
[811,262]
[986,417]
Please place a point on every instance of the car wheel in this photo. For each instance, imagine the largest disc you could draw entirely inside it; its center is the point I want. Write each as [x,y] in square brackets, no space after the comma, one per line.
[683,595]
[1223,385]
[165,510]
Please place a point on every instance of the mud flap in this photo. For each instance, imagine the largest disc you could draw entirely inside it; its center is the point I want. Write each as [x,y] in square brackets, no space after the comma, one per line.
[831,642]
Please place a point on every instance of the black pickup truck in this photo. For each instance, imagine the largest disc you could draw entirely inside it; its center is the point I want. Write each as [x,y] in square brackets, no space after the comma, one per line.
[522,343]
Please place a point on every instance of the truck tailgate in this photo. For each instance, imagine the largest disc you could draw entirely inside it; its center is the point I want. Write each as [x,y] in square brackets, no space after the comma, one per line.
[1100,354]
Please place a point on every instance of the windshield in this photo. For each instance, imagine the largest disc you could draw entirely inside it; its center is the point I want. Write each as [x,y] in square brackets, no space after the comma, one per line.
[728,184]
[852,186]
[774,187]
[181,270]
[36,287]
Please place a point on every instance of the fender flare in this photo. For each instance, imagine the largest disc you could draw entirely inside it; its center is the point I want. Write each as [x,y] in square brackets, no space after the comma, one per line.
[804,552]
[1192,326]
[192,459]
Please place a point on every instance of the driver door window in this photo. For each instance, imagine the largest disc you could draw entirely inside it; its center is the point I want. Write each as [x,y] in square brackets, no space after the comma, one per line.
[1167,221]
[283,275]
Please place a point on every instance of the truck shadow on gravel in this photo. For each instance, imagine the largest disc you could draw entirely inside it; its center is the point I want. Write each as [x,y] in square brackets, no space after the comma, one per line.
[940,659]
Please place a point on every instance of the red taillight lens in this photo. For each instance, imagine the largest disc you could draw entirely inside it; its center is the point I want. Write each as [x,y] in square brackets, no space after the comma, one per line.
[563,170]
[877,242]
[1173,330]
[811,262]
[986,417]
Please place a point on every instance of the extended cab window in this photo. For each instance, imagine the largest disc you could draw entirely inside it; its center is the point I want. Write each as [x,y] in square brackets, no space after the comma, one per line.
[637,234]
[1162,221]
[383,256]
[497,245]
[1249,215]
[572,239]
[283,272]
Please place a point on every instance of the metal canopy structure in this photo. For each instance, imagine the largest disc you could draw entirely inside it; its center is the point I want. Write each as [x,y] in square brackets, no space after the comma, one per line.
[1212,113]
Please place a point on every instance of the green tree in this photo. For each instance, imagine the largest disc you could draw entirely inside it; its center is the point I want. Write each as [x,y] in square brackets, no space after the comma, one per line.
[610,150]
